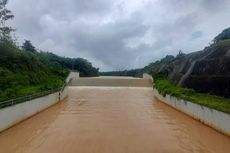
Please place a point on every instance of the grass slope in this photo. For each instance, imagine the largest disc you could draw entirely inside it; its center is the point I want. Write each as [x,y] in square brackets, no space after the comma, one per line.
[165,86]
[23,73]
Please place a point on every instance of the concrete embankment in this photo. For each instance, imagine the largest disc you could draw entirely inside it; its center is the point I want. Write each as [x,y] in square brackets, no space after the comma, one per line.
[16,113]
[12,115]
[211,117]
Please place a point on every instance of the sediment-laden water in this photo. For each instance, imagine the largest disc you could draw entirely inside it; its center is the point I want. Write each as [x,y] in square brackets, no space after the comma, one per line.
[112,120]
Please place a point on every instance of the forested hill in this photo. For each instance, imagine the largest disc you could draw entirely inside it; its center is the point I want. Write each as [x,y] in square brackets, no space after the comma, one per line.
[24,72]
[206,71]
[152,67]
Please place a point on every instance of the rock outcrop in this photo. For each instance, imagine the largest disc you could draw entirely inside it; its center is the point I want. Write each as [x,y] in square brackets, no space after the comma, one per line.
[204,71]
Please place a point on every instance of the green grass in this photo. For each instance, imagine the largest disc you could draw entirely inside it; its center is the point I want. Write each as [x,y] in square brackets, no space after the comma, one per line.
[165,86]
[53,82]
[24,73]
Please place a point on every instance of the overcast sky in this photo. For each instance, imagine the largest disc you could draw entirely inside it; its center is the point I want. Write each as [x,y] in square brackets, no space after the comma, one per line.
[119,34]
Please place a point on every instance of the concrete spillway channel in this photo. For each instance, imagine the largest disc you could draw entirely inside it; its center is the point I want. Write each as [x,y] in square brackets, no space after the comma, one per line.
[101,116]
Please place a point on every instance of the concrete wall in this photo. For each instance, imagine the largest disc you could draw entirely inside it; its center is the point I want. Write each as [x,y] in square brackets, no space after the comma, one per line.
[146,76]
[72,75]
[63,94]
[10,116]
[211,117]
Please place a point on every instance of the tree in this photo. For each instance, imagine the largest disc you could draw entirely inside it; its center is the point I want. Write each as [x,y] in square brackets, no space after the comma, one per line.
[27,45]
[180,54]
[5,15]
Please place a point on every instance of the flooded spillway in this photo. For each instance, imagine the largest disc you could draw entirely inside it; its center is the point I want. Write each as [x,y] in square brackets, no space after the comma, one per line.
[112,120]
[111,82]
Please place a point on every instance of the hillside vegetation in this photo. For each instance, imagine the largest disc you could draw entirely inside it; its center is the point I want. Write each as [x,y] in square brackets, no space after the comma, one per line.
[24,72]
[152,67]
[165,86]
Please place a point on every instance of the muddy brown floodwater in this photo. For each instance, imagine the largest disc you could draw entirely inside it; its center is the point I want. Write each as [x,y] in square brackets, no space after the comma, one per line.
[112,120]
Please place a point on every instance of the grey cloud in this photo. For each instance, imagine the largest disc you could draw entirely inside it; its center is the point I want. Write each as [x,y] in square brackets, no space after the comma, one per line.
[122,34]
[215,5]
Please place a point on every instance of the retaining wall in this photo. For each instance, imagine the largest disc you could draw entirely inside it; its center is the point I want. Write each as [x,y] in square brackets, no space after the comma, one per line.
[211,117]
[146,76]
[72,75]
[12,115]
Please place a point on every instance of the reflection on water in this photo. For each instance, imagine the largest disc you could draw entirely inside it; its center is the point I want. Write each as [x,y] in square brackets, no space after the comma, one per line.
[112,120]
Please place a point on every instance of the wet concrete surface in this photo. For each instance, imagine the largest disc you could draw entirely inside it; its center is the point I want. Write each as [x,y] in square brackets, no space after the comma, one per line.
[112,120]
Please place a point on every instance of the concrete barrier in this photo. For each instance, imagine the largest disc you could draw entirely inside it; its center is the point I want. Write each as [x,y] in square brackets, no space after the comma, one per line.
[211,117]
[12,115]
[72,75]
[146,76]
